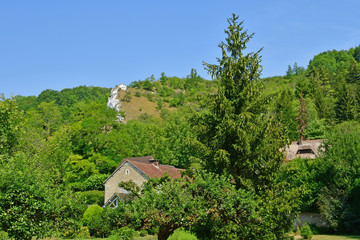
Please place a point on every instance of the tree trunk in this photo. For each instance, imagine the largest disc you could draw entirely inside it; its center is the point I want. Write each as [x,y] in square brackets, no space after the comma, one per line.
[164,233]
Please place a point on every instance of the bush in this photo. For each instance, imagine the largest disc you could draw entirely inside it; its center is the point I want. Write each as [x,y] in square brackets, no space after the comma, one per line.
[181,234]
[94,211]
[71,230]
[124,233]
[143,233]
[83,233]
[306,232]
[4,235]
[92,197]
[137,94]
[154,230]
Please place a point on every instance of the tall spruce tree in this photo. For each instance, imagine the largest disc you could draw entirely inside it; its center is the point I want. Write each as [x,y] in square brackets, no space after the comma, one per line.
[302,118]
[236,136]
[345,104]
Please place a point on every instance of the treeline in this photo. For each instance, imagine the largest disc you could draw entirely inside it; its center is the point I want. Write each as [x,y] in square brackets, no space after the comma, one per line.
[174,91]
[330,86]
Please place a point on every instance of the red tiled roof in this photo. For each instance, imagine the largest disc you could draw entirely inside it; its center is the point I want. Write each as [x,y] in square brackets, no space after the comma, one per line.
[150,167]
[154,171]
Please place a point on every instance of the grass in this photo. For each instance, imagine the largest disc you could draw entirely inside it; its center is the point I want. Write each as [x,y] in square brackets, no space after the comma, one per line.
[149,237]
[137,105]
[331,237]
[334,237]
[315,237]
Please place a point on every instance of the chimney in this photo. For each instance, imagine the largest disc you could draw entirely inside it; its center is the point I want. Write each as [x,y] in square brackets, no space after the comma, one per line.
[155,162]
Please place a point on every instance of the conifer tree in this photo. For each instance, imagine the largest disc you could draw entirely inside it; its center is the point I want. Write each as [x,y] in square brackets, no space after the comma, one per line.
[235,134]
[354,72]
[302,118]
[345,104]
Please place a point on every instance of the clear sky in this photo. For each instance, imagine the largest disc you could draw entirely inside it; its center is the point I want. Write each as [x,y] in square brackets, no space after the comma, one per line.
[63,44]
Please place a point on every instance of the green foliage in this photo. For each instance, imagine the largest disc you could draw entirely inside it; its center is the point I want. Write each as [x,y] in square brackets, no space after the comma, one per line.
[339,169]
[285,113]
[93,219]
[301,175]
[95,182]
[143,233]
[83,233]
[50,116]
[354,197]
[127,97]
[305,87]
[94,211]
[4,235]
[178,100]
[295,70]
[181,234]
[10,125]
[346,104]
[79,169]
[124,233]
[316,129]
[92,197]
[306,232]
[30,202]
[25,200]
[209,205]
[70,139]
[235,134]
[302,117]
[192,80]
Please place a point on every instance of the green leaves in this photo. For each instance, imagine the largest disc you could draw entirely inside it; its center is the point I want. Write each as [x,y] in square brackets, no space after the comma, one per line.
[10,125]
[25,205]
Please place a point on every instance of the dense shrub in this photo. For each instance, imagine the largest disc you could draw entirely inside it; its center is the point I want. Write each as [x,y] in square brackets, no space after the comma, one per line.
[143,233]
[71,229]
[94,211]
[306,232]
[209,205]
[124,233]
[83,233]
[181,234]
[92,197]
[339,170]
[4,235]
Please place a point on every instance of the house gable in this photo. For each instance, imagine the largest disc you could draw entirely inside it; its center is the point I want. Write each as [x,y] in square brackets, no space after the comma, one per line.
[138,170]
[124,173]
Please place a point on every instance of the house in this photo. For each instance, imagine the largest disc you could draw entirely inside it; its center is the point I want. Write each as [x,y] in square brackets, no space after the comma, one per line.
[139,170]
[303,149]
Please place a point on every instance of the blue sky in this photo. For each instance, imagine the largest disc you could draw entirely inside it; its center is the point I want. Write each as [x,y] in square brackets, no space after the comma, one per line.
[64,44]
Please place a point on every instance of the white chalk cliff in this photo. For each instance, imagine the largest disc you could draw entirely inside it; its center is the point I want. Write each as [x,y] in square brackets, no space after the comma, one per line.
[113,100]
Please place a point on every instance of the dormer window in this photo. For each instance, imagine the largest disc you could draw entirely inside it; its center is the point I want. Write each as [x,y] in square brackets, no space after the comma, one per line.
[305,151]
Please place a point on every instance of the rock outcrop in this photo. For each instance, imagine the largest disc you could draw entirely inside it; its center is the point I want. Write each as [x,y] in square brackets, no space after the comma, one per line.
[113,100]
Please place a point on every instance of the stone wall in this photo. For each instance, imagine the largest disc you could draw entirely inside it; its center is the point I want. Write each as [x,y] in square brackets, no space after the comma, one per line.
[126,173]
[311,218]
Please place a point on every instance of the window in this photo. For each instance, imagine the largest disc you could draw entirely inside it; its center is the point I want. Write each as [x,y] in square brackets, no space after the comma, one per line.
[305,151]
[114,202]
[127,171]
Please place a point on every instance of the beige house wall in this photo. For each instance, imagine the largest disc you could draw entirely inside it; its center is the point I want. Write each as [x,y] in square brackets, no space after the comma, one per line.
[126,173]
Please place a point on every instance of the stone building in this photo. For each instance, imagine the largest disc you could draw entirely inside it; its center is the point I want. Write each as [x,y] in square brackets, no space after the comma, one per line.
[138,170]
